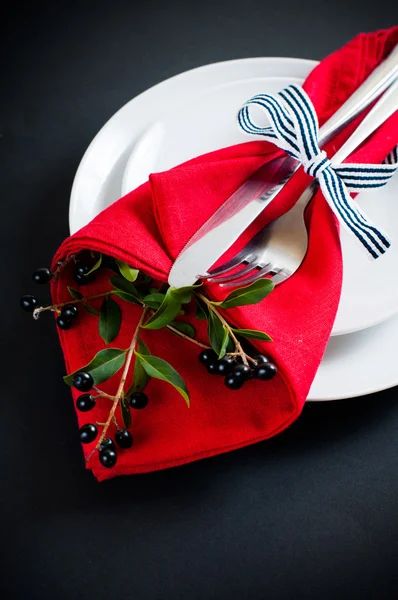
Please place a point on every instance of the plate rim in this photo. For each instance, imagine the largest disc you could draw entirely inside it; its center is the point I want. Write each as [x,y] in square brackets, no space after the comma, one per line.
[166,82]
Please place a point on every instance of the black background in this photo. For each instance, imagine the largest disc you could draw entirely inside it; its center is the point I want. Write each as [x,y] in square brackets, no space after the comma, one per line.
[309,514]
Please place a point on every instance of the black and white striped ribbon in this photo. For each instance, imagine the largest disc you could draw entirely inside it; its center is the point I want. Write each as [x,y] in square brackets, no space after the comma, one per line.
[294,128]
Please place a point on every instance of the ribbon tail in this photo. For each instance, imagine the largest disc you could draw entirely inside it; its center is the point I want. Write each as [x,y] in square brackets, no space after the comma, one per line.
[337,195]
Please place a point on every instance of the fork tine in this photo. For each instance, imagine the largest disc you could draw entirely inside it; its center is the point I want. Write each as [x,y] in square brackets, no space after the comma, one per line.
[280,275]
[237,274]
[258,275]
[234,262]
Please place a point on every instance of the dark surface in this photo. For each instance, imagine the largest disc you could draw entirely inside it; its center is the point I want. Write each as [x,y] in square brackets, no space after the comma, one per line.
[311,514]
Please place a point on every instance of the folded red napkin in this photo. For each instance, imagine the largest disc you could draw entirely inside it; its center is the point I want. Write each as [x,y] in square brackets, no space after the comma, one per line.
[147,229]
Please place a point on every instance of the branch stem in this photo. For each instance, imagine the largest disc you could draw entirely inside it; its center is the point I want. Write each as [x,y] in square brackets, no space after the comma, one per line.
[56,307]
[186,337]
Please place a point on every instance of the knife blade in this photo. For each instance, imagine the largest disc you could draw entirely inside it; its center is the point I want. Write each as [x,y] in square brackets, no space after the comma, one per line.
[230,220]
[224,227]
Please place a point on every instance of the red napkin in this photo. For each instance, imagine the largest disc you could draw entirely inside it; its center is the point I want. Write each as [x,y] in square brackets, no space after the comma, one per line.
[147,229]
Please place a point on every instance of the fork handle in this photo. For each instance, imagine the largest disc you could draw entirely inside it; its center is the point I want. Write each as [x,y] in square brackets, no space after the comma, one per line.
[369,90]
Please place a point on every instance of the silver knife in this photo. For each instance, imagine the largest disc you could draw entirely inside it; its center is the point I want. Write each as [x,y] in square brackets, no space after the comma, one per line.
[224,227]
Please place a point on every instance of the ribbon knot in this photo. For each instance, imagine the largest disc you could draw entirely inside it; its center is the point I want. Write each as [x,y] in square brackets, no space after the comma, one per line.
[317,164]
[294,128]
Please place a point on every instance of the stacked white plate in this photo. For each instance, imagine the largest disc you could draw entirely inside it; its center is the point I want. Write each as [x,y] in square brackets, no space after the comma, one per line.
[194,113]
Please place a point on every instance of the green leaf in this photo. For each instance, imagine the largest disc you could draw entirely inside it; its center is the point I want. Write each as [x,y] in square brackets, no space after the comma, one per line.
[170,307]
[224,343]
[216,332]
[250,294]
[184,327]
[125,410]
[140,376]
[90,309]
[184,294]
[202,312]
[123,285]
[128,272]
[75,294]
[142,347]
[160,369]
[95,267]
[125,290]
[154,300]
[104,364]
[253,334]
[110,320]
[127,297]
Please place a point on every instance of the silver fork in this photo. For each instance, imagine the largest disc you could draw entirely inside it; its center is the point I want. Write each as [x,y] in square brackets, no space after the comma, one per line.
[280,247]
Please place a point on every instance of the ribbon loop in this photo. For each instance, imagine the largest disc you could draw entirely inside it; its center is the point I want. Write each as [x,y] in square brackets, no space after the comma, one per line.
[294,128]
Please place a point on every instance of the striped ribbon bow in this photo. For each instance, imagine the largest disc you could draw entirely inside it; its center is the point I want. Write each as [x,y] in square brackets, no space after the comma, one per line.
[294,128]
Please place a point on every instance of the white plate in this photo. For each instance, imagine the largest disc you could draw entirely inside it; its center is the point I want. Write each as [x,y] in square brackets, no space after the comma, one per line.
[370,288]
[354,364]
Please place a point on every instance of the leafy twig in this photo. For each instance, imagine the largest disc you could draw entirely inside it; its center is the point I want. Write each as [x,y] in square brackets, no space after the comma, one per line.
[120,389]
[238,346]
[56,307]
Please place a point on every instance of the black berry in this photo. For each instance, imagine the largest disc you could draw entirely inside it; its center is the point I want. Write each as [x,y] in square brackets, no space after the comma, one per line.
[69,311]
[42,275]
[64,323]
[233,383]
[82,268]
[207,356]
[84,263]
[123,438]
[212,367]
[80,274]
[28,302]
[85,402]
[225,365]
[83,381]
[138,400]
[260,358]
[107,444]
[87,433]
[80,279]
[241,372]
[265,371]
[108,458]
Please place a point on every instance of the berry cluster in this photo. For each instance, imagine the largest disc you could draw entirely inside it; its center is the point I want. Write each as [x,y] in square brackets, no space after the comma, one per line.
[68,315]
[84,382]
[81,274]
[83,265]
[236,373]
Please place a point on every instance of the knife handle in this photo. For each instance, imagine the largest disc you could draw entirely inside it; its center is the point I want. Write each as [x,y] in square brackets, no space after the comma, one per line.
[378,81]
[381,111]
